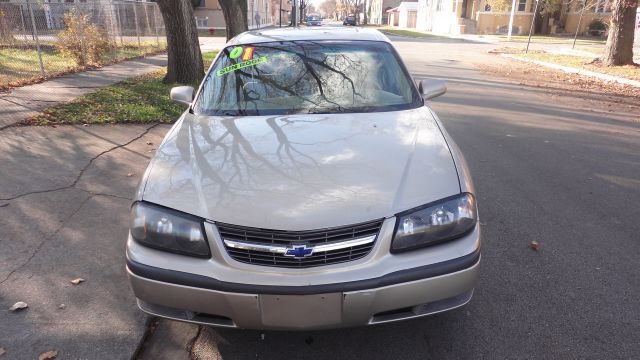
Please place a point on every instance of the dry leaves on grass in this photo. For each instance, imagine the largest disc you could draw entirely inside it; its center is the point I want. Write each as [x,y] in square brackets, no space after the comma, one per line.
[77,281]
[19,306]
[48,355]
[2,351]
[531,75]
[512,50]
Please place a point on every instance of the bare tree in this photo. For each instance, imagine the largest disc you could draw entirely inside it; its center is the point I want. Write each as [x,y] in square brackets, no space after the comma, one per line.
[185,60]
[235,16]
[619,49]
[328,8]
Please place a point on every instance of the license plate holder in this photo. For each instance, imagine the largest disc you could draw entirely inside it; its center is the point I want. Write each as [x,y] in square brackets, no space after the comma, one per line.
[301,311]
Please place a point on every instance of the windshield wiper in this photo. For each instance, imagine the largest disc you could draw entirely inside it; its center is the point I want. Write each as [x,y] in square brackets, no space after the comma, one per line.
[361,109]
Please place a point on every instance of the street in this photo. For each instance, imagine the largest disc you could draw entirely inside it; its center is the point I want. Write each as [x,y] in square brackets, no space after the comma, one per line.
[548,168]
[559,167]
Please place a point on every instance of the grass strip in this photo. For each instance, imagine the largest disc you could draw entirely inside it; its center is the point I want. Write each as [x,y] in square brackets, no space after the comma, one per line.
[142,99]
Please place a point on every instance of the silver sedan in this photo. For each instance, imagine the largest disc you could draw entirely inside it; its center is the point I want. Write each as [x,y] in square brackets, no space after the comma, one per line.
[308,185]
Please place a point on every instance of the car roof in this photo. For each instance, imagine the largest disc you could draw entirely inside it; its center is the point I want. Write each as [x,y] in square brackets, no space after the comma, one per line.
[293,34]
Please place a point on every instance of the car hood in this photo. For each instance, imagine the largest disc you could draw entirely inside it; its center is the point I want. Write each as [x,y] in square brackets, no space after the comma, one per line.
[302,172]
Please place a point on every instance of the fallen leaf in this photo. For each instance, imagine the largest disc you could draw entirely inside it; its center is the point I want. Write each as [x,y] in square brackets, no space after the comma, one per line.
[129,174]
[62,306]
[534,245]
[149,143]
[2,351]
[77,281]
[48,355]
[19,306]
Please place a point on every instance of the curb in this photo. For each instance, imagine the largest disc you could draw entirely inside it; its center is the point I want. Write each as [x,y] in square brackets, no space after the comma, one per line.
[424,37]
[573,70]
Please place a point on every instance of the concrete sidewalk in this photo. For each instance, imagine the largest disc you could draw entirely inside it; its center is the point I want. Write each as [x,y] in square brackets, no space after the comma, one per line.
[26,101]
[64,213]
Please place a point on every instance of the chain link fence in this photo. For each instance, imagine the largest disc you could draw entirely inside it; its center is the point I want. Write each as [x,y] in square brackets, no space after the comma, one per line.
[44,39]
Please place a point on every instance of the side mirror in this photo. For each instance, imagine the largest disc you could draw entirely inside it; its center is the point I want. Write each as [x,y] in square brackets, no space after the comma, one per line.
[430,88]
[182,95]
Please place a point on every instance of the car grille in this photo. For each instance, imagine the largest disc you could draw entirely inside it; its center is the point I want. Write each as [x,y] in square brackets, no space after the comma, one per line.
[269,247]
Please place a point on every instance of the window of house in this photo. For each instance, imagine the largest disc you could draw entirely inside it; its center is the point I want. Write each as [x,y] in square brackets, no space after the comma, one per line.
[522,5]
[202,22]
[202,3]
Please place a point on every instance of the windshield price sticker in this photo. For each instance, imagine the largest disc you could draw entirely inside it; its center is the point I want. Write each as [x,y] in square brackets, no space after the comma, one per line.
[247,53]
[238,66]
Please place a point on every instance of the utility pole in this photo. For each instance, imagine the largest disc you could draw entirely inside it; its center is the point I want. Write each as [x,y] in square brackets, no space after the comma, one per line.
[513,14]
[280,13]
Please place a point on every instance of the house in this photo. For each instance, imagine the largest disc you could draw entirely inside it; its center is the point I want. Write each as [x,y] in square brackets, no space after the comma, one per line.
[378,11]
[404,16]
[477,16]
[209,15]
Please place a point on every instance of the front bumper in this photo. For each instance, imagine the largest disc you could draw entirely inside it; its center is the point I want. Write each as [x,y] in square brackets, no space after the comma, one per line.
[395,296]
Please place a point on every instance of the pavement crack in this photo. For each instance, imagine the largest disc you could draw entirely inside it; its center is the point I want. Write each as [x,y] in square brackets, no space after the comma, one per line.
[145,132]
[192,342]
[150,328]
[103,194]
[39,247]
[82,171]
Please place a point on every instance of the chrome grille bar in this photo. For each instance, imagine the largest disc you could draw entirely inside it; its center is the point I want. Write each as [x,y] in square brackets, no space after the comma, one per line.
[280,249]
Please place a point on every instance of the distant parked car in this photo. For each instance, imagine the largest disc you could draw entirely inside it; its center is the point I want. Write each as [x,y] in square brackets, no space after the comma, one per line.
[349,20]
[314,20]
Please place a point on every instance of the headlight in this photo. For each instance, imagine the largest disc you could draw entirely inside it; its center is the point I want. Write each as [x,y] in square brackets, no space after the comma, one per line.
[442,221]
[168,230]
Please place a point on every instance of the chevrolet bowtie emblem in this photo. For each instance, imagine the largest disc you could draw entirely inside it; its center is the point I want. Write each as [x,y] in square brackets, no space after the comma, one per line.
[298,251]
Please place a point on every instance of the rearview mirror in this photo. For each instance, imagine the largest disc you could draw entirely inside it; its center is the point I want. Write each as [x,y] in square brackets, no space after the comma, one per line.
[430,88]
[182,95]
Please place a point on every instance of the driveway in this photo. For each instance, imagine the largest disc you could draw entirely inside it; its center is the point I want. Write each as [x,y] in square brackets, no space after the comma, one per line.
[64,200]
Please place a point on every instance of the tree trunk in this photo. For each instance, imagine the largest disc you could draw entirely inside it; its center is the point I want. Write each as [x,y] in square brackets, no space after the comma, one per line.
[619,49]
[365,13]
[235,16]
[185,60]
[544,29]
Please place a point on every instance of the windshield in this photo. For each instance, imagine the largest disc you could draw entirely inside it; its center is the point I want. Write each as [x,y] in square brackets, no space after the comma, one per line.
[313,18]
[307,77]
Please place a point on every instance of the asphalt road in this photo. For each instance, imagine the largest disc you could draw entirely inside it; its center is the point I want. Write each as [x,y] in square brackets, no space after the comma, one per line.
[559,169]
